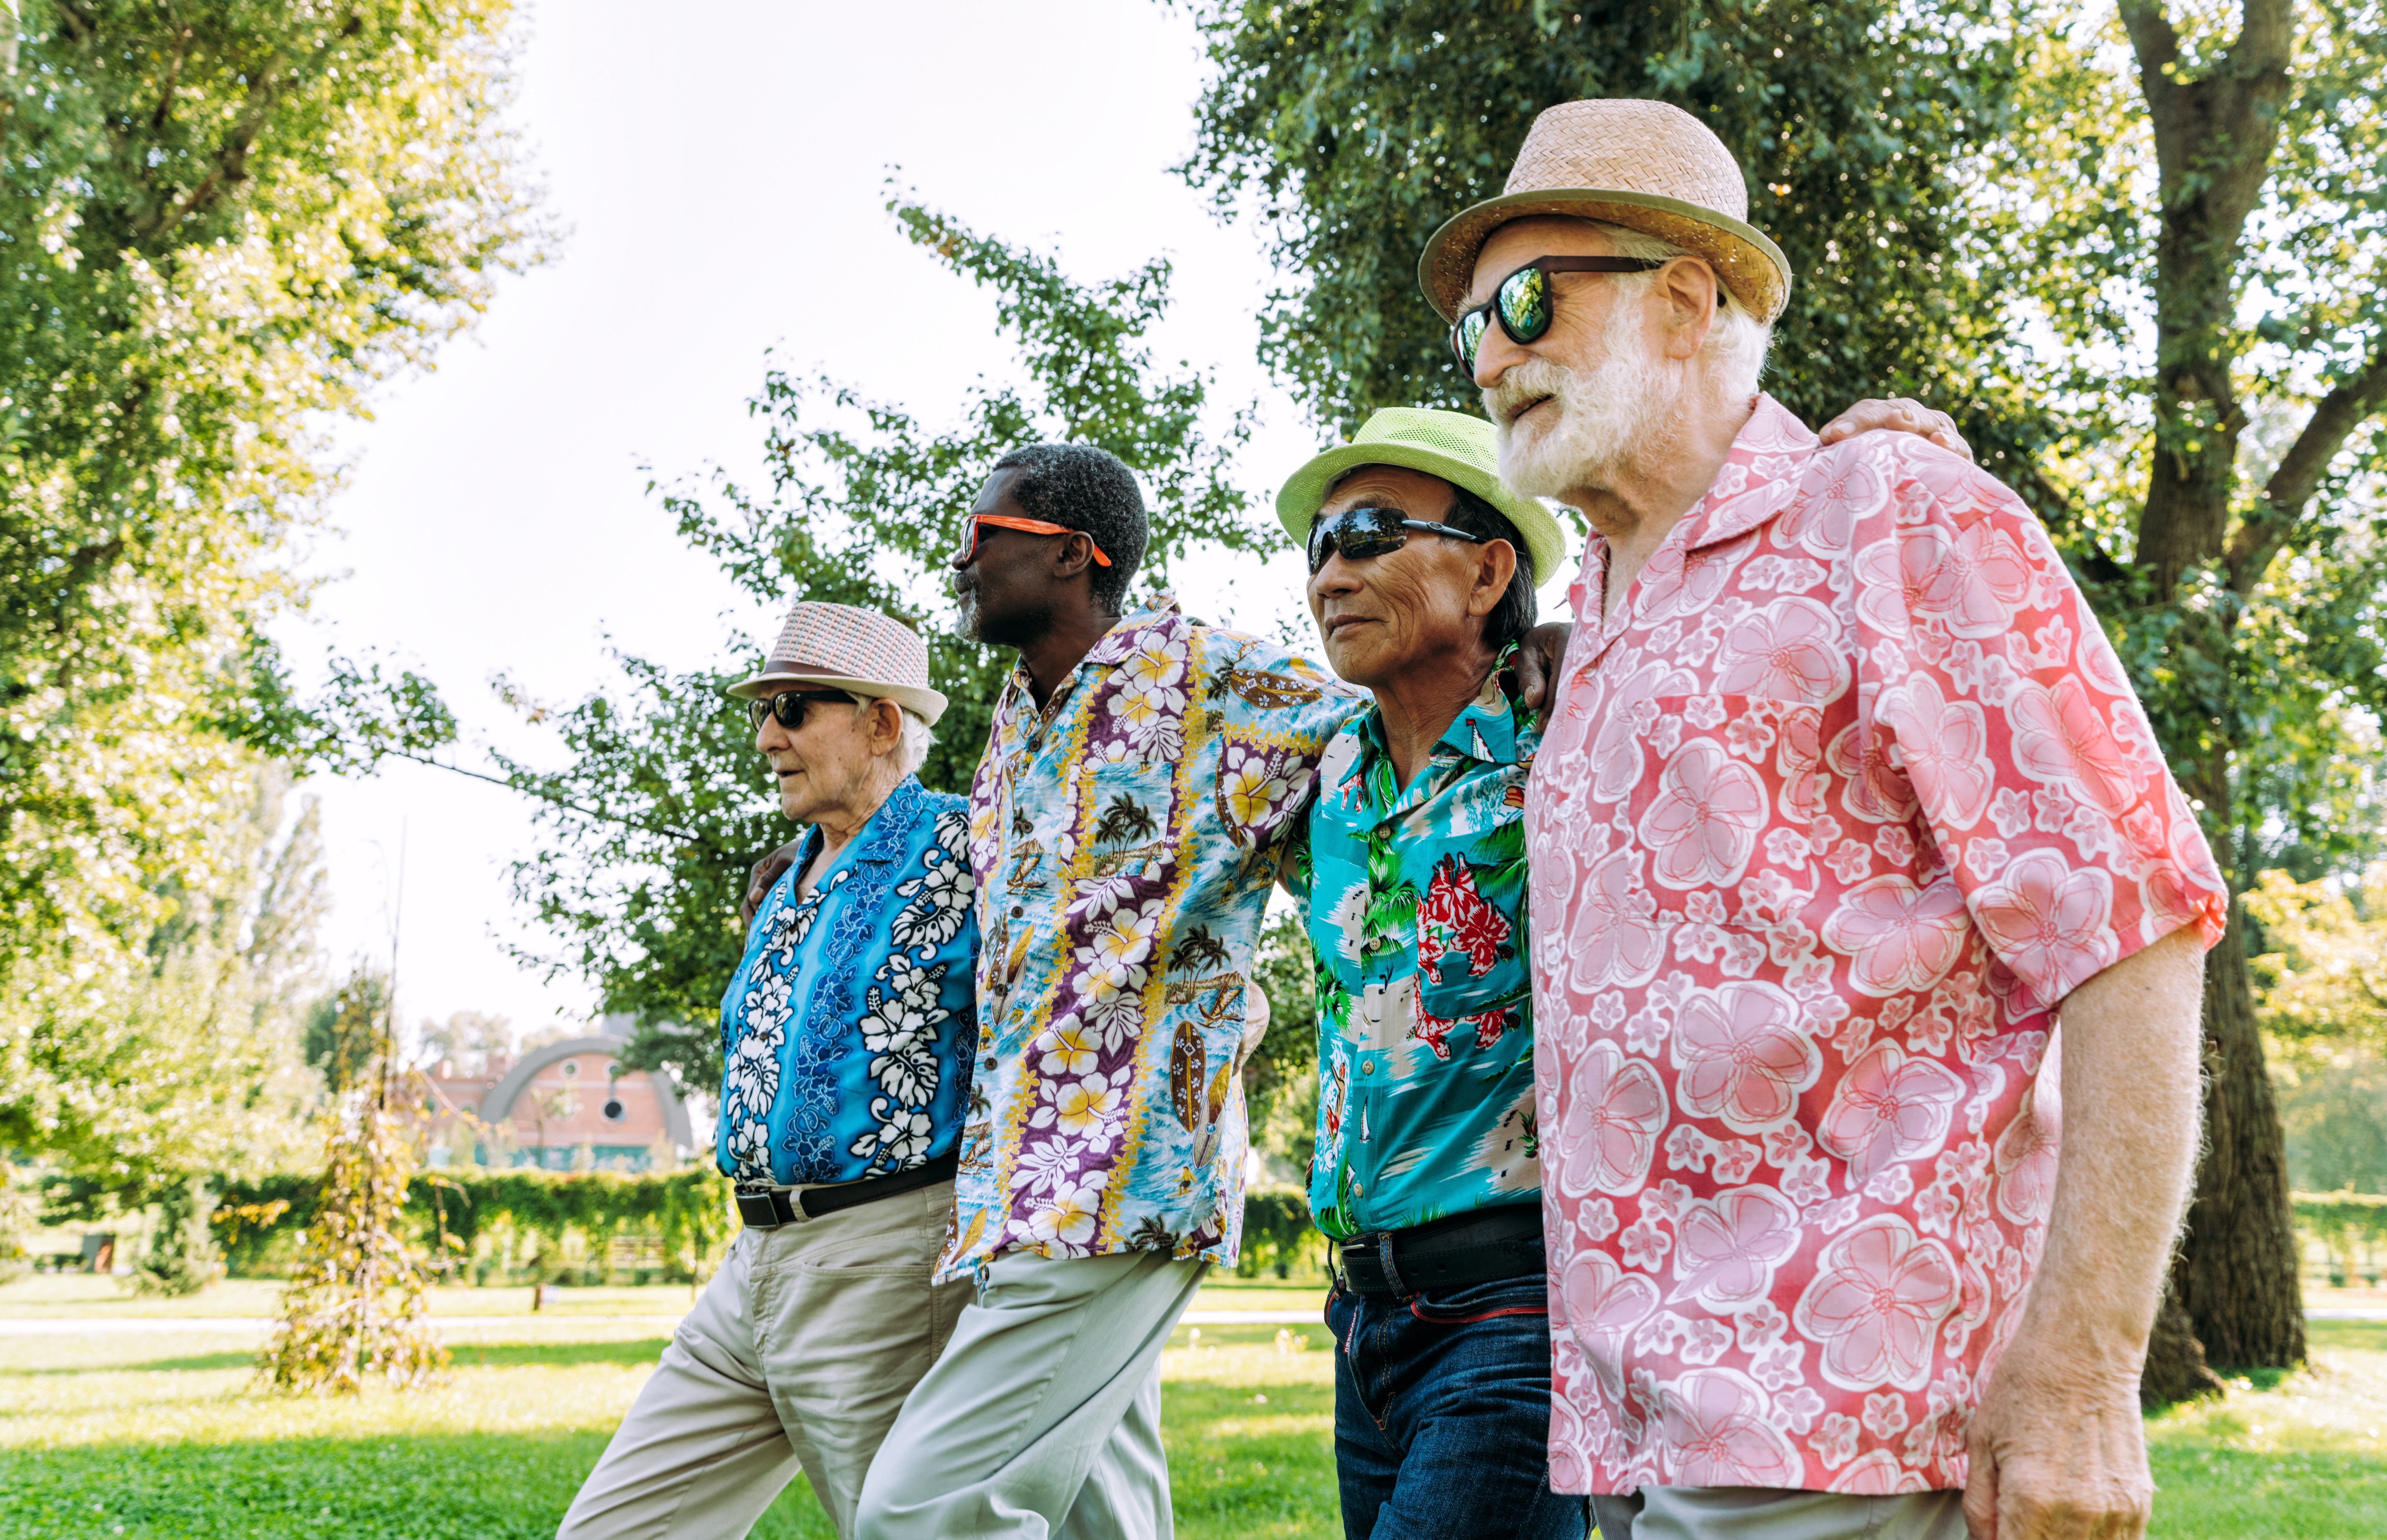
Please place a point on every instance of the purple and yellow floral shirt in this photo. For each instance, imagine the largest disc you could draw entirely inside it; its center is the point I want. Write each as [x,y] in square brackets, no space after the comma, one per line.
[1124,840]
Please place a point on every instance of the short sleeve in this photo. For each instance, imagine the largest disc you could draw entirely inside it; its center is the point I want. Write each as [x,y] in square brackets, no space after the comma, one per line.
[1989,681]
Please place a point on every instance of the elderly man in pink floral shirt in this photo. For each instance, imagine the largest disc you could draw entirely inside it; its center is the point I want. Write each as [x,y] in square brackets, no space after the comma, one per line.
[1845,802]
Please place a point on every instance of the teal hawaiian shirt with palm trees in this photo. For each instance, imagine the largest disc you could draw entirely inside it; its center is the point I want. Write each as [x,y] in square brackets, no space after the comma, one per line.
[1416,901]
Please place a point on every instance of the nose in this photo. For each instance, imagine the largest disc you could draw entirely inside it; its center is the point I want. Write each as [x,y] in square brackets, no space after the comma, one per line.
[1493,356]
[1336,578]
[769,738]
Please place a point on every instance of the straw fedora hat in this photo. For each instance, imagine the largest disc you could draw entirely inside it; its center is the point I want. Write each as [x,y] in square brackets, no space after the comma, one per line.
[1462,450]
[840,647]
[1643,164]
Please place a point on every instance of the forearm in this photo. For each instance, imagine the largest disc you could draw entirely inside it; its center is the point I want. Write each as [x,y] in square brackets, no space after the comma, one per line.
[2131,1040]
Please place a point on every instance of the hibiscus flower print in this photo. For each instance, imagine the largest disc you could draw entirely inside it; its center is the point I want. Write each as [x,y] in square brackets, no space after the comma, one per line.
[1889,1109]
[939,904]
[2026,1163]
[1254,783]
[1703,825]
[1600,1305]
[1946,746]
[1899,938]
[2050,921]
[1743,1055]
[1878,1296]
[1609,1123]
[1972,580]
[1065,1222]
[2062,738]
[1117,954]
[1715,1434]
[1615,940]
[1065,1048]
[1730,1245]
[1790,651]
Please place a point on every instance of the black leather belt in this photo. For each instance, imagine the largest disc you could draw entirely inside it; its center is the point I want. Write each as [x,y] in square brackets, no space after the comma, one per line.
[769,1207]
[1481,1248]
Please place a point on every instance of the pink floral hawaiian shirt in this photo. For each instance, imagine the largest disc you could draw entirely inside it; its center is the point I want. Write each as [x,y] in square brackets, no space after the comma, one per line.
[1850,795]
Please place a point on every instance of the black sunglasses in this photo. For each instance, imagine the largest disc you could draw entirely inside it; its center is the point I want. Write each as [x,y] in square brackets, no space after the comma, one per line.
[790,706]
[1361,532]
[1522,302]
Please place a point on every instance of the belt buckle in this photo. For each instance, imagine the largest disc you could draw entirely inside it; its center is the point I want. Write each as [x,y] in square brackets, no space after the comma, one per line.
[768,1209]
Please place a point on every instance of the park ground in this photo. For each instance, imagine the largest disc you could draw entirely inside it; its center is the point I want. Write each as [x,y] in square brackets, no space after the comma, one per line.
[140,1419]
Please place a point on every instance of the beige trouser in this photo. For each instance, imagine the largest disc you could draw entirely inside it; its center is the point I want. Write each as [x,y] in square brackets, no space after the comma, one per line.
[799,1352]
[1043,1418]
[1763,1513]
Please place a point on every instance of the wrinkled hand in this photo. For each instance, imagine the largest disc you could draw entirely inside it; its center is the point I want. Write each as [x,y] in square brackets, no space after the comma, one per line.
[1899,416]
[1537,660]
[766,871]
[2057,1451]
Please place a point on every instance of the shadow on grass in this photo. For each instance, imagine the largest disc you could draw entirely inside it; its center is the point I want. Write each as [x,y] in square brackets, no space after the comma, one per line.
[479,1486]
[467,1354]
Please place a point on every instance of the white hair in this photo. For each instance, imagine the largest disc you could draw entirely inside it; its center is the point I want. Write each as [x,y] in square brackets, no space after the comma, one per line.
[912,753]
[1734,354]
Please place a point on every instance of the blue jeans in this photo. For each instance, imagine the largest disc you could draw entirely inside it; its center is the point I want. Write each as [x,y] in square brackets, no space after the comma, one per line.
[1442,1415]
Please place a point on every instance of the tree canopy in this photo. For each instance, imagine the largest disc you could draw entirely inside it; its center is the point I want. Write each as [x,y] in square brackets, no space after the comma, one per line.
[665,801]
[218,226]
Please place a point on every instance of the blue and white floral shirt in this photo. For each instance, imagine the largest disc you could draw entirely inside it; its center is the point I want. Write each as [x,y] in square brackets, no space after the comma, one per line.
[847,1032]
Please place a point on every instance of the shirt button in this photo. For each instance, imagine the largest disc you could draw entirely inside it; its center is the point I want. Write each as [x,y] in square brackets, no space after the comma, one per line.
[1369,1068]
[1017,910]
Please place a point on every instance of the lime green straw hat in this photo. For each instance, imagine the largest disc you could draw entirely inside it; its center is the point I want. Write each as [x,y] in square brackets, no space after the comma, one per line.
[1461,449]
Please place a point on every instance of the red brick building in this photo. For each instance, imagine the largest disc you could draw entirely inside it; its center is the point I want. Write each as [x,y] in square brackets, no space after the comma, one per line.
[546,1107]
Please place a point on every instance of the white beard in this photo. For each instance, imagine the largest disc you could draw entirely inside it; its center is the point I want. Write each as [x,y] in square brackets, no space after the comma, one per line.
[1612,418]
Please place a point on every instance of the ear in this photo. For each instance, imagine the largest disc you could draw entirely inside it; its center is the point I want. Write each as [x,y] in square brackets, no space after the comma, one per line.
[885,730]
[1072,554]
[1496,567]
[1687,286]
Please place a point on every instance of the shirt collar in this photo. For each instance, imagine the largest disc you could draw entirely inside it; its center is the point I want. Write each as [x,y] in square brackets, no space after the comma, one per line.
[1758,478]
[1485,730]
[1117,646]
[881,839]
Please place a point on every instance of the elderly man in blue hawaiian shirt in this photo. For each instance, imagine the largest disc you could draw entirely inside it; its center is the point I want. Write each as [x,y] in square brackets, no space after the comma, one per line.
[846,1034]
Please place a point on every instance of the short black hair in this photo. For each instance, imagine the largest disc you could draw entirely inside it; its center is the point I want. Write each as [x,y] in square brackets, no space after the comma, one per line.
[1513,616]
[1079,486]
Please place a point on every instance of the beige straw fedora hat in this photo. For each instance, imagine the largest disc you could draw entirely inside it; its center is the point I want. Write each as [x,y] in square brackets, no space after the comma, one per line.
[1643,164]
[840,647]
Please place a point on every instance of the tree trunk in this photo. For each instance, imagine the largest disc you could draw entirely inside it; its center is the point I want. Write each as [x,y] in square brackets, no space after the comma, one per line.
[2175,1369]
[2236,1276]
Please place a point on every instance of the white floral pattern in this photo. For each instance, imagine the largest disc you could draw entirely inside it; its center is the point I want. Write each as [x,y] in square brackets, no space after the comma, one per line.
[1847,796]
[847,1030]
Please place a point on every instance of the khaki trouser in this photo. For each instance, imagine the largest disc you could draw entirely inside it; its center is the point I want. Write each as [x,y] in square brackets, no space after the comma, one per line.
[1763,1513]
[799,1352]
[1043,1418]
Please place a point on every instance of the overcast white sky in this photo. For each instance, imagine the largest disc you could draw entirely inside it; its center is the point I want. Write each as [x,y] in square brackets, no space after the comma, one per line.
[719,173]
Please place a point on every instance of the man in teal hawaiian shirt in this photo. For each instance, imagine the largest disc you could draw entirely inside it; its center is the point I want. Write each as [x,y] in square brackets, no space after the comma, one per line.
[1421,582]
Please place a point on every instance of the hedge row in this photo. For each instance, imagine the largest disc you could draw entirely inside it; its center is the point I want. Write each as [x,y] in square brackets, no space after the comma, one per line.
[688,1211]
[2345,1224]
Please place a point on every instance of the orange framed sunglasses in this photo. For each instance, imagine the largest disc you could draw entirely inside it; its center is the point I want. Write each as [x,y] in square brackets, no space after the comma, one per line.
[1026,526]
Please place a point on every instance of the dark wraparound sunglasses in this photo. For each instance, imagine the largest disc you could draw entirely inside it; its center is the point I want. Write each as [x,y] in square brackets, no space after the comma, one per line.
[790,706]
[1522,302]
[1361,532]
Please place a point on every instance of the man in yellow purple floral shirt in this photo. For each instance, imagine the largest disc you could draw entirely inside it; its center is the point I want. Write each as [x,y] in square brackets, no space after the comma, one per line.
[1141,776]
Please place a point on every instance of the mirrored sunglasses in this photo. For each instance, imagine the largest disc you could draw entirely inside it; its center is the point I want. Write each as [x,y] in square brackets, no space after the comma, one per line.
[1523,302]
[1361,532]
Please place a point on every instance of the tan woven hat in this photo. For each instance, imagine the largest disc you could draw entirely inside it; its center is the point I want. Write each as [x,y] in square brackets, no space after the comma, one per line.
[840,647]
[1643,164]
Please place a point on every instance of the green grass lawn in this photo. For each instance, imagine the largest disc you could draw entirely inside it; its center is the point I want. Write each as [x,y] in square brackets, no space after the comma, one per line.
[162,1437]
